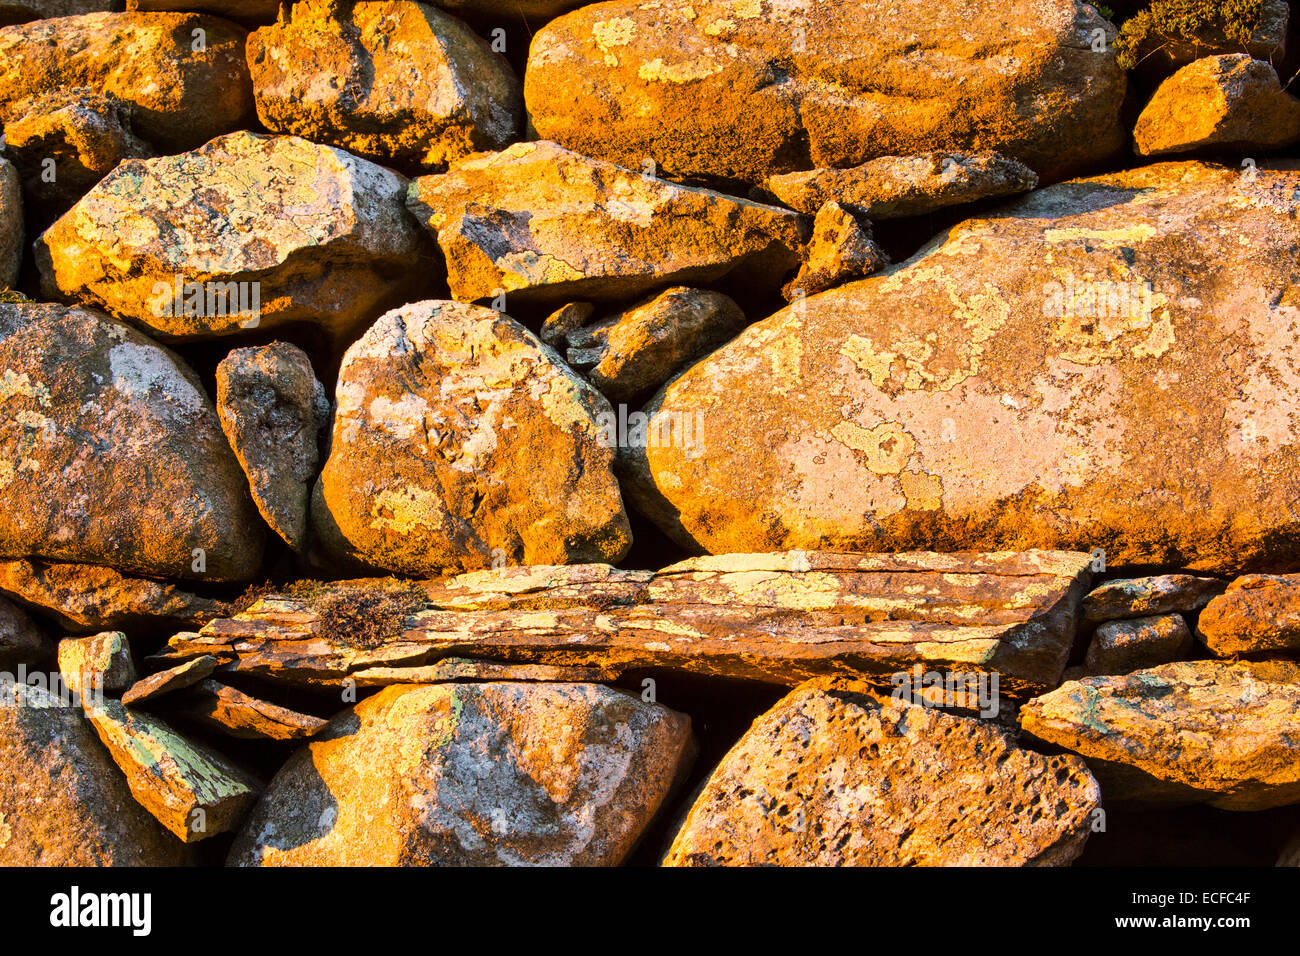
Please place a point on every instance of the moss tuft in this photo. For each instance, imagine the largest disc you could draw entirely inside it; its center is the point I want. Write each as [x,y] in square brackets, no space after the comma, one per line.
[1197,22]
[367,617]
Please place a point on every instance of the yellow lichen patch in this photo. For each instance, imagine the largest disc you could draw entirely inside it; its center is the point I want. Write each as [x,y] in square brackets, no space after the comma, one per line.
[407,508]
[19,383]
[1106,238]
[924,491]
[612,33]
[696,68]
[747,9]
[887,448]
[875,363]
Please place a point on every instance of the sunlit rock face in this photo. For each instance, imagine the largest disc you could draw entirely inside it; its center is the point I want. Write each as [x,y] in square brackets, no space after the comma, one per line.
[1106,364]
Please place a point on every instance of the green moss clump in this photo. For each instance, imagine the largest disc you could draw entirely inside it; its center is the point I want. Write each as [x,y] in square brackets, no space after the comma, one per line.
[12,295]
[1198,22]
[367,617]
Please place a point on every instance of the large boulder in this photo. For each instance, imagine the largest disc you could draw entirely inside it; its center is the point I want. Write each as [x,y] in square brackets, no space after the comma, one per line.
[1053,376]
[834,776]
[461,442]
[1222,103]
[1257,613]
[400,82]
[305,233]
[1227,734]
[111,453]
[183,72]
[64,802]
[496,774]
[742,89]
[540,222]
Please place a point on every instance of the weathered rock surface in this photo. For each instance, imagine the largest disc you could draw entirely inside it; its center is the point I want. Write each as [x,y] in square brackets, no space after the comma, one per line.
[399,82]
[92,414]
[272,408]
[182,95]
[531,10]
[460,440]
[235,714]
[567,318]
[778,618]
[635,351]
[306,233]
[1145,597]
[100,661]
[833,776]
[456,669]
[841,248]
[1190,732]
[1121,647]
[86,598]
[49,758]
[1258,612]
[20,11]
[542,223]
[1224,103]
[11,224]
[170,680]
[892,187]
[472,775]
[190,789]
[744,90]
[20,641]
[83,132]
[1040,378]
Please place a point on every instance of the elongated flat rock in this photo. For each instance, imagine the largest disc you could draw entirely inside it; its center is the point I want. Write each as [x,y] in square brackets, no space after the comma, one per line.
[740,89]
[778,618]
[172,679]
[1145,597]
[544,223]
[1192,732]
[463,669]
[1052,376]
[236,714]
[190,789]
[1258,612]
[833,776]
[86,598]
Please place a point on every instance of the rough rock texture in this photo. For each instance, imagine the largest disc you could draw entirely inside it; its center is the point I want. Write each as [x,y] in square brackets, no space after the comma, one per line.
[1119,647]
[235,714]
[400,82]
[100,659]
[20,640]
[170,680]
[1191,732]
[892,187]
[11,224]
[778,618]
[272,408]
[20,11]
[741,90]
[567,318]
[86,598]
[1144,597]
[458,669]
[532,10]
[182,96]
[833,776]
[49,758]
[542,223]
[91,414]
[460,440]
[306,233]
[1218,103]
[841,249]
[472,775]
[85,132]
[633,352]
[191,789]
[1041,378]
[1258,612]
